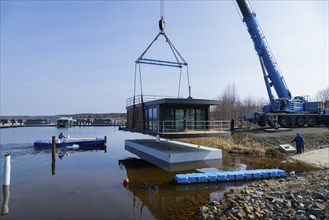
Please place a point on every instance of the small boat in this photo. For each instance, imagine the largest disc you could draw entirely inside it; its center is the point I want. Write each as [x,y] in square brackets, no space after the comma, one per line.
[71,142]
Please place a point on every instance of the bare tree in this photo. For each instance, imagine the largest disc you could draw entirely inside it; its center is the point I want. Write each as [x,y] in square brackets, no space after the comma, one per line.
[322,95]
[230,104]
[250,104]
[232,108]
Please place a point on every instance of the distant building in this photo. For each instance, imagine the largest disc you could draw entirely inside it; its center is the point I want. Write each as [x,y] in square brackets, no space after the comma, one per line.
[30,122]
[102,122]
[65,122]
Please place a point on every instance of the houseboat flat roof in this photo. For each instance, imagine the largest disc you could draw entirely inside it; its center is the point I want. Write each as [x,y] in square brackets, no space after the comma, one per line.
[178,101]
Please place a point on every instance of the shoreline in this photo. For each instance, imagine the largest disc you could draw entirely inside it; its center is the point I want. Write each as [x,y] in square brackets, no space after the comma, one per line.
[301,195]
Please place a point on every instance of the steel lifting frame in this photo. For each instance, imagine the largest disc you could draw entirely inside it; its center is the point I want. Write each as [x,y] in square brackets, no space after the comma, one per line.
[180,62]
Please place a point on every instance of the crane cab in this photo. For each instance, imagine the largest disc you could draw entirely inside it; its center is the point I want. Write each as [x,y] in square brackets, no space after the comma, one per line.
[286,105]
[299,99]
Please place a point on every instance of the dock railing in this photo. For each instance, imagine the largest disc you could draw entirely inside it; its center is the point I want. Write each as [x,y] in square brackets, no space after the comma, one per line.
[147,98]
[188,126]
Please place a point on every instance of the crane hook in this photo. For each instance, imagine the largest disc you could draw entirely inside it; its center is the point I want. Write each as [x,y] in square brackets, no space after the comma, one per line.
[162,24]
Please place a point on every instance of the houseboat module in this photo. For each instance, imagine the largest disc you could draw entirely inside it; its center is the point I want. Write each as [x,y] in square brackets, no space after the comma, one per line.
[69,142]
[175,118]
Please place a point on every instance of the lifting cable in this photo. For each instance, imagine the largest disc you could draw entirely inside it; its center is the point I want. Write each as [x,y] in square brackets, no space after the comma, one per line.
[179,63]
[161,8]
[140,83]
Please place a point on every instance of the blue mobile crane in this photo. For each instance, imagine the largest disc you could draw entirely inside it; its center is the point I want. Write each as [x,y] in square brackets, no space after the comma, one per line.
[285,110]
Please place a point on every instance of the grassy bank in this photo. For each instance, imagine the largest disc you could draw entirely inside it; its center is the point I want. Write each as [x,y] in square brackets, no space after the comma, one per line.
[235,144]
[260,143]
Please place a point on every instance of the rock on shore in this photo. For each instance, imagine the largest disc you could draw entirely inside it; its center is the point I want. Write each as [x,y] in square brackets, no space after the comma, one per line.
[302,196]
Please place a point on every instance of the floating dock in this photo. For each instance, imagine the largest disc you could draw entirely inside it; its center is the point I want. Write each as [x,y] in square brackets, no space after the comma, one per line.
[174,151]
[229,176]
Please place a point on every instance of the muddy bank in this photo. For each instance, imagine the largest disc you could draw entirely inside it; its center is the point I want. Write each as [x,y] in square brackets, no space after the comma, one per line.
[302,196]
[264,142]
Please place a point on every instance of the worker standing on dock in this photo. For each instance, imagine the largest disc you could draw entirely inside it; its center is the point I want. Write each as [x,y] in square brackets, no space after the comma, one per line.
[299,143]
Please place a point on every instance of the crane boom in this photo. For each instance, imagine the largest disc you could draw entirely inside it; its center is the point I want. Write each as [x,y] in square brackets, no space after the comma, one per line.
[283,110]
[273,76]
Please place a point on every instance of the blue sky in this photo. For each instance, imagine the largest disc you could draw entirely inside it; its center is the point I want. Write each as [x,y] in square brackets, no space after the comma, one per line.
[61,57]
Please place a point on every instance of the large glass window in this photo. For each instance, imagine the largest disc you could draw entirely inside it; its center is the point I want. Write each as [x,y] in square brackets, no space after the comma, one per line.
[179,116]
[150,113]
[152,118]
[201,114]
[200,118]
[168,118]
[190,118]
[183,118]
[168,114]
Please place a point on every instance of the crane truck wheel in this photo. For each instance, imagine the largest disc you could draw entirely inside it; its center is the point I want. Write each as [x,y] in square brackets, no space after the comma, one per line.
[261,123]
[284,121]
[271,123]
[300,121]
[311,121]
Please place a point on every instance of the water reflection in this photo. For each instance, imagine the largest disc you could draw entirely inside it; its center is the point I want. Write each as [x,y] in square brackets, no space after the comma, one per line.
[153,187]
[65,152]
[5,200]
[62,152]
[6,185]
[53,165]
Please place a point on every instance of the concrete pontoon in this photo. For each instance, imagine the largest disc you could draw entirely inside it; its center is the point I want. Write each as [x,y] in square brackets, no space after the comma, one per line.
[173,155]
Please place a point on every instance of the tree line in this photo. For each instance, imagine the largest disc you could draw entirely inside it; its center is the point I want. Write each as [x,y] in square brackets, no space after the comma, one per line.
[233,107]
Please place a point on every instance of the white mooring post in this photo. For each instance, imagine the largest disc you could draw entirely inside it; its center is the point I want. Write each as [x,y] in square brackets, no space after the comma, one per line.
[5,186]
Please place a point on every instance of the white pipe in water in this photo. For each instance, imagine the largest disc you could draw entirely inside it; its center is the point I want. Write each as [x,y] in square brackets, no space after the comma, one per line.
[5,187]
[7,171]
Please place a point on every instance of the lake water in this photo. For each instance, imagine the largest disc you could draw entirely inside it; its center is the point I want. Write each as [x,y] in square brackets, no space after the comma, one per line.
[88,184]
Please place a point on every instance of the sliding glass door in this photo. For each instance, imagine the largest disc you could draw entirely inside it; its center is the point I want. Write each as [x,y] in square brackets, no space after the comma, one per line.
[179,119]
